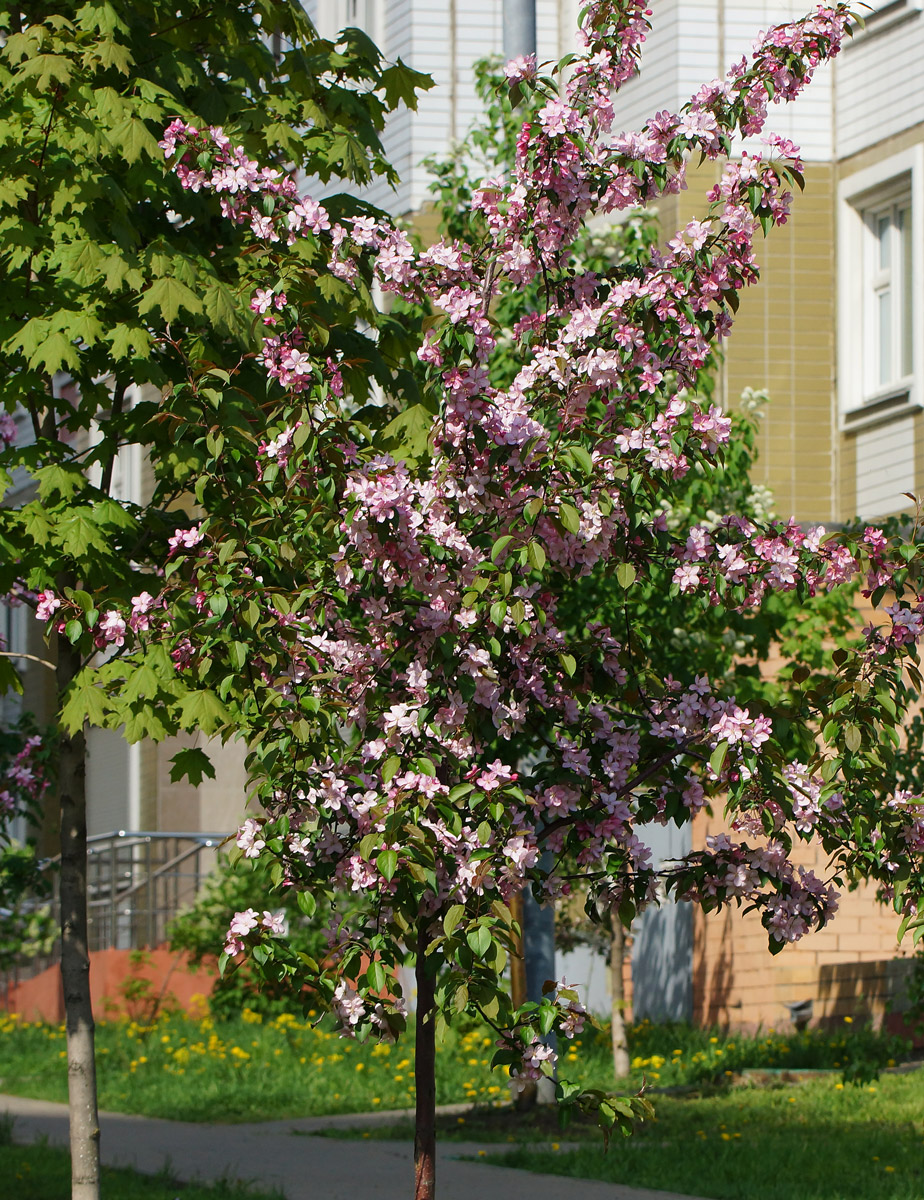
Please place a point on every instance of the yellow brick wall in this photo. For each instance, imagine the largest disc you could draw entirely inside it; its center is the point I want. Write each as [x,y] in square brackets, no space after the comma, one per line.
[783,340]
[842,968]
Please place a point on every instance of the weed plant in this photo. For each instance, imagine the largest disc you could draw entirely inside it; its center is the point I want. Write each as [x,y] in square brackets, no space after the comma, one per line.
[256,1068]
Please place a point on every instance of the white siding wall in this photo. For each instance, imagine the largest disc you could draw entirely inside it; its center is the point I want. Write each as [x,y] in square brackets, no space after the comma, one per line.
[444,40]
[397,41]
[885,468]
[689,46]
[657,86]
[880,84]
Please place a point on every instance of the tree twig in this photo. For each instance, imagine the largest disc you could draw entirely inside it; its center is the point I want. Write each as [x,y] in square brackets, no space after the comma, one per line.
[31,657]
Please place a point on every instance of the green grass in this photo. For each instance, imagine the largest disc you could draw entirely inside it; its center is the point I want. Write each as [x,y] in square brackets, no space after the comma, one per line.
[42,1172]
[253,1069]
[816,1141]
[243,1070]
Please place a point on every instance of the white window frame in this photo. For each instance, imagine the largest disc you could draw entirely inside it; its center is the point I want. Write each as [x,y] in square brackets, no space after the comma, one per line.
[887,279]
[862,197]
[333,15]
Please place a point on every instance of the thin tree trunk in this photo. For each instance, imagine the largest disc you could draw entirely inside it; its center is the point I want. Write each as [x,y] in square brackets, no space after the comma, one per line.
[425,1077]
[618,995]
[75,955]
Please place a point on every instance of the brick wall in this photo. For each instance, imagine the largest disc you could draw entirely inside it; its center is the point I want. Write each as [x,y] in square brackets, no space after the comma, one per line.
[845,969]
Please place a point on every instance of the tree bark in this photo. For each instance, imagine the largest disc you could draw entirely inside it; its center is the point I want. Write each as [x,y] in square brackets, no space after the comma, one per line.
[621,1063]
[425,1077]
[75,954]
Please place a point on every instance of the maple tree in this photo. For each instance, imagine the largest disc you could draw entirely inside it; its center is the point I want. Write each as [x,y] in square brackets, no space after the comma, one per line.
[107,262]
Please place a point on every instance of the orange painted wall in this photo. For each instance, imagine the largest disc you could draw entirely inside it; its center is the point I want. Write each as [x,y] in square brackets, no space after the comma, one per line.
[170,976]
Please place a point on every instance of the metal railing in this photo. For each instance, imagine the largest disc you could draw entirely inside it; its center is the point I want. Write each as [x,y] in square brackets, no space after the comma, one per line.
[137,881]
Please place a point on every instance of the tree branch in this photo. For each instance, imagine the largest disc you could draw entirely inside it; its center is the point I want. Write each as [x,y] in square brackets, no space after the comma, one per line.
[31,657]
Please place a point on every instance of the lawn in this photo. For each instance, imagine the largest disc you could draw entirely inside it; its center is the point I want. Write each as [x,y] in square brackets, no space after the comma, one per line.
[254,1069]
[820,1140]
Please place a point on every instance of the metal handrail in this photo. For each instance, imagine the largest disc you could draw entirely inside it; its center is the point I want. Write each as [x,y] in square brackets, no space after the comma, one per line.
[206,839]
[132,895]
[163,869]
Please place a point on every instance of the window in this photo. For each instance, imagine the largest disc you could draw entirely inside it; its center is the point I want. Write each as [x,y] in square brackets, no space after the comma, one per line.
[330,16]
[887,298]
[880,264]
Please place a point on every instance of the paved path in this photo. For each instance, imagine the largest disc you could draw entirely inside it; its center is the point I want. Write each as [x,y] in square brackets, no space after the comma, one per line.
[306,1168]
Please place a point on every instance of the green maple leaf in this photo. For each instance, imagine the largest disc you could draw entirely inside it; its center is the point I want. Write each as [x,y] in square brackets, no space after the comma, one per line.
[79,532]
[84,702]
[202,710]
[166,296]
[192,764]
[402,83]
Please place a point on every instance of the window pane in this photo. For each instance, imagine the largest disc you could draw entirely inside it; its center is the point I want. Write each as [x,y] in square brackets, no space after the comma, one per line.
[884,300]
[904,236]
[883,231]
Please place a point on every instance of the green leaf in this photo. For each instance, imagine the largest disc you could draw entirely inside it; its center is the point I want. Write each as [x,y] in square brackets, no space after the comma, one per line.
[390,768]
[401,84]
[84,702]
[140,681]
[166,297]
[306,902]
[717,758]
[500,546]
[479,940]
[387,863]
[192,764]
[59,479]
[79,532]
[583,459]
[569,517]
[408,435]
[202,711]
[498,611]
[133,141]
[453,916]
[626,574]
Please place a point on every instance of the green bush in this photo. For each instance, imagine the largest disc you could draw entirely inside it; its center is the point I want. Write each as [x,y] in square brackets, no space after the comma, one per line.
[200,931]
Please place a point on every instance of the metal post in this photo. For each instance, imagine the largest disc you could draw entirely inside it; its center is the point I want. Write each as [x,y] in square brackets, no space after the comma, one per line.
[519,28]
[539,961]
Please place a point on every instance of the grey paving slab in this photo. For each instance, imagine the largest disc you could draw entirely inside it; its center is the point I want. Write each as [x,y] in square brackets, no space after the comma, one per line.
[305,1167]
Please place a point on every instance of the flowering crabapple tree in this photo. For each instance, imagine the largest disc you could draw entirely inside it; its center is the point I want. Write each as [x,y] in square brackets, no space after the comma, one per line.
[373,594]
[723,642]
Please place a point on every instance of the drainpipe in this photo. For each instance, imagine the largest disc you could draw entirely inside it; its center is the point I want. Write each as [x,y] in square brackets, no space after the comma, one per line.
[519,28]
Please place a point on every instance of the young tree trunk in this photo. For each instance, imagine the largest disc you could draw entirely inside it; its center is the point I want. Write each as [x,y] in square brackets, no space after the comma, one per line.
[425,1077]
[618,995]
[75,955]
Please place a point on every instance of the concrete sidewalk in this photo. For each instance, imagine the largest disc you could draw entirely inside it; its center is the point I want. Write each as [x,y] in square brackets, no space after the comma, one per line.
[306,1168]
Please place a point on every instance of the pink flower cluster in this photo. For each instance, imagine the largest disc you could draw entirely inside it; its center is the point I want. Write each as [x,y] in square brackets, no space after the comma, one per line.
[24,783]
